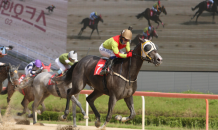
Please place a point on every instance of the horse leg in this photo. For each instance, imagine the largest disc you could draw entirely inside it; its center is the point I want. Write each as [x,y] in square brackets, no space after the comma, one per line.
[200,12]
[130,105]
[195,14]
[43,107]
[66,111]
[81,31]
[213,16]
[90,99]
[157,23]
[112,102]
[92,32]
[24,103]
[149,23]
[98,32]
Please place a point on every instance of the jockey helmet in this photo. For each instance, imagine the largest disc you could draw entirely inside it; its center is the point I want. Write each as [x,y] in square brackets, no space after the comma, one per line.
[158,2]
[127,34]
[72,55]
[3,50]
[38,63]
[149,28]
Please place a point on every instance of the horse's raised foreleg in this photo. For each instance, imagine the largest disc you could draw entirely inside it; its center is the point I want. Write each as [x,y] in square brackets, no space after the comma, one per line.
[112,102]
[90,99]
[130,105]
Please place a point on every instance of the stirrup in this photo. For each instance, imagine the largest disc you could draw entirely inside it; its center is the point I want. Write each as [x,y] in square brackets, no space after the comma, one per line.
[103,72]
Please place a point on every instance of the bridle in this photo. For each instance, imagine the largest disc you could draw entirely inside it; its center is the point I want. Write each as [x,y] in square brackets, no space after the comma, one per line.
[10,78]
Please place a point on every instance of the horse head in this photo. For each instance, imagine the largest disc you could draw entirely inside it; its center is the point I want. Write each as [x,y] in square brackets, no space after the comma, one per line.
[46,68]
[163,9]
[100,18]
[149,52]
[13,76]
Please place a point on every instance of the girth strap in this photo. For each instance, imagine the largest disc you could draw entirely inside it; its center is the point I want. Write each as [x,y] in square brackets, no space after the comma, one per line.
[57,90]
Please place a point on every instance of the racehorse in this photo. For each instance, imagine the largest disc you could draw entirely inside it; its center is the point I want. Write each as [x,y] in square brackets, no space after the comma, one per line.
[50,9]
[120,82]
[86,22]
[203,7]
[27,92]
[155,16]
[41,90]
[11,72]
[4,3]
[150,37]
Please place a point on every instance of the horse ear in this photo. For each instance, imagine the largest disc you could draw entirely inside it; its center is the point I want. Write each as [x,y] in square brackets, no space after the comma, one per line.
[43,65]
[141,40]
[18,67]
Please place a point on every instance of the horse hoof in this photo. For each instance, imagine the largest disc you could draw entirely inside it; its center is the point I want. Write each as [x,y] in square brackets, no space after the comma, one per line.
[19,114]
[118,117]
[97,124]
[39,112]
[86,117]
[62,118]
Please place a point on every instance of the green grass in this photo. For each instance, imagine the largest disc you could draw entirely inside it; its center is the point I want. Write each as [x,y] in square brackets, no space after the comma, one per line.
[158,106]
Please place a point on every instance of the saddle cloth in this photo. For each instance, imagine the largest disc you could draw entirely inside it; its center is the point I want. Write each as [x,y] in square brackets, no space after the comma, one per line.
[50,82]
[91,22]
[208,5]
[99,66]
[151,12]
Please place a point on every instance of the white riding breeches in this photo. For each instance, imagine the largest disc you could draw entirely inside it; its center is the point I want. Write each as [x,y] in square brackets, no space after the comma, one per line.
[154,9]
[107,52]
[61,66]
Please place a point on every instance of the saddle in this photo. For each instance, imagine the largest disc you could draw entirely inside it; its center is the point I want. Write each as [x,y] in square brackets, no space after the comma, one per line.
[91,22]
[209,5]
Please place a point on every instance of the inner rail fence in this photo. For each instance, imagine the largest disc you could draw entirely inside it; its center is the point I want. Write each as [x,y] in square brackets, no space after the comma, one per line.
[26,54]
[159,94]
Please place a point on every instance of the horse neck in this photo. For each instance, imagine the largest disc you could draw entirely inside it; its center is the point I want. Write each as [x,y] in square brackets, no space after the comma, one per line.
[136,62]
[3,73]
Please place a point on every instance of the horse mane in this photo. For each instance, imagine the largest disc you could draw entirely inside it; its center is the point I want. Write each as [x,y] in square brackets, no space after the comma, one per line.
[68,77]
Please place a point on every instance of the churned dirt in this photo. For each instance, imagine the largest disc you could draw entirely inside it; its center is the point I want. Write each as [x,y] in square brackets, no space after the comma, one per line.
[183,44]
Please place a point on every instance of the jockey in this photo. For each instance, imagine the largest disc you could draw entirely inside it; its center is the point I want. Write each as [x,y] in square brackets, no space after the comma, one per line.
[111,48]
[147,32]
[3,52]
[211,3]
[65,61]
[92,17]
[156,6]
[33,68]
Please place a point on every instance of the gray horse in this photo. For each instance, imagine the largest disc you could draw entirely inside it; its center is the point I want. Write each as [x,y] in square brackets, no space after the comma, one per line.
[42,90]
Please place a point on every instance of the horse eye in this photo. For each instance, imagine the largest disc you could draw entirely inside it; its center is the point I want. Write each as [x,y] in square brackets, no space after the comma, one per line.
[147,48]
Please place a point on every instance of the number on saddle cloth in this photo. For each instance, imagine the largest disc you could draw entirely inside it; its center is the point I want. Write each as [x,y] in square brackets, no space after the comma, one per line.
[100,65]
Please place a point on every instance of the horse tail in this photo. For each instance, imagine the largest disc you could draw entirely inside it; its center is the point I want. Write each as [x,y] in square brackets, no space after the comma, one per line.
[68,77]
[197,6]
[140,15]
[82,21]
[4,92]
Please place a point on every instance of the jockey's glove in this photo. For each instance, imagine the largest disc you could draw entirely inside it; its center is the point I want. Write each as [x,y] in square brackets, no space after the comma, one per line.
[129,54]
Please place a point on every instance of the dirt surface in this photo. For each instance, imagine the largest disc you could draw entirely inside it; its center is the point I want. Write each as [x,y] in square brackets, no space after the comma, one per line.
[183,44]
[12,126]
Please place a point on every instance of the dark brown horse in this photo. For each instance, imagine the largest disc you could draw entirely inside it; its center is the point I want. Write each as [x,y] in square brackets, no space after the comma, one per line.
[121,82]
[27,92]
[203,7]
[155,17]
[50,8]
[86,22]
[150,37]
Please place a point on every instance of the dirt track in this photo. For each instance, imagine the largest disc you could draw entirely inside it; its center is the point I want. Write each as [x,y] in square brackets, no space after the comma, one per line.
[184,45]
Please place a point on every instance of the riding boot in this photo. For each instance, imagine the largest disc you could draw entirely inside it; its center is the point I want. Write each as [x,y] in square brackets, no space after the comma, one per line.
[104,68]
